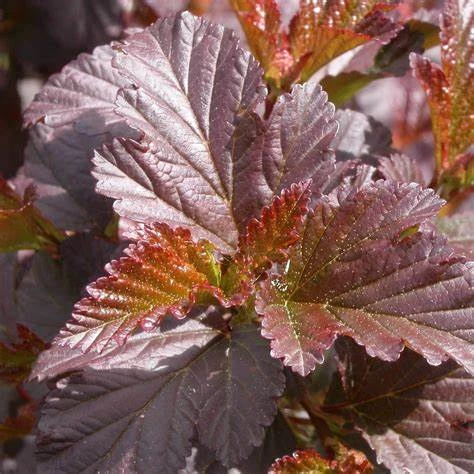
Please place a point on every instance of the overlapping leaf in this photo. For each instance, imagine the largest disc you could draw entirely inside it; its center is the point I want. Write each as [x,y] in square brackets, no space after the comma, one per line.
[208,161]
[401,168]
[414,415]
[21,225]
[460,232]
[318,33]
[74,115]
[193,85]
[162,272]
[362,270]
[450,96]
[266,241]
[17,357]
[192,377]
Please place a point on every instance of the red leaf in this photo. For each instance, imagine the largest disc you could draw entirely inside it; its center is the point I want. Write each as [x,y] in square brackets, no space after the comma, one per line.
[17,358]
[162,272]
[451,97]
[347,461]
[19,426]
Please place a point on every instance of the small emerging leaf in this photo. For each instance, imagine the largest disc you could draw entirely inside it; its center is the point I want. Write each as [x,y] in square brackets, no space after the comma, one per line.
[162,272]
[266,240]
[346,461]
[17,358]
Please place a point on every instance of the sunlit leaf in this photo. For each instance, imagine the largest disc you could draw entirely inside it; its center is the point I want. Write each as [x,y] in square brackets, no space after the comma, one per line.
[266,240]
[414,415]
[460,232]
[451,97]
[163,272]
[310,461]
[401,168]
[71,116]
[362,270]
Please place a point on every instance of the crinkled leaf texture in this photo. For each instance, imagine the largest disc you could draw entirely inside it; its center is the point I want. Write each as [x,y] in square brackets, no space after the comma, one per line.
[71,116]
[140,405]
[208,161]
[310,461]
[361,269]
[450,93]
[414,415]
[162,272]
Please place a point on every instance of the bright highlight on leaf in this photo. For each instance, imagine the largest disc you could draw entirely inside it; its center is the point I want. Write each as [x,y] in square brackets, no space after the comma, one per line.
[355,273]
[310,461]
[162,272]
[320,31]
[451,97]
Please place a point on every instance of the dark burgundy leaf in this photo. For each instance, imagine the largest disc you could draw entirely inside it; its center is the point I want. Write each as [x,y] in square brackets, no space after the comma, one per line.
[414,415]
[298,139]
[192,85]
[75,109]
[45,296]
[362,270]
[84,258]
[133,418]
[46,38]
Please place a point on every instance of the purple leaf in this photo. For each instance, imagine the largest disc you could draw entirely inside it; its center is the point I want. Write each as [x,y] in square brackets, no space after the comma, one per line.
[401,168]
[414,415]
[133,418]
[74,115]
[209,161]
[192,85]
[460,232]
[362,270]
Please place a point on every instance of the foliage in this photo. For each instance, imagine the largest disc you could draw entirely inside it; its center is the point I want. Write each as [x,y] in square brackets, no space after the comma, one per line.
[220,270]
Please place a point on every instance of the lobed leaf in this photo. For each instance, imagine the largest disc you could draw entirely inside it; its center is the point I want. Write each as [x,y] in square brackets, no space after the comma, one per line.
[163,272]
[71,116]
[450,96]
[133,418]
[192,86]
[361,269]
[414,415]
[401,168]
[17,358]
[266,241]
